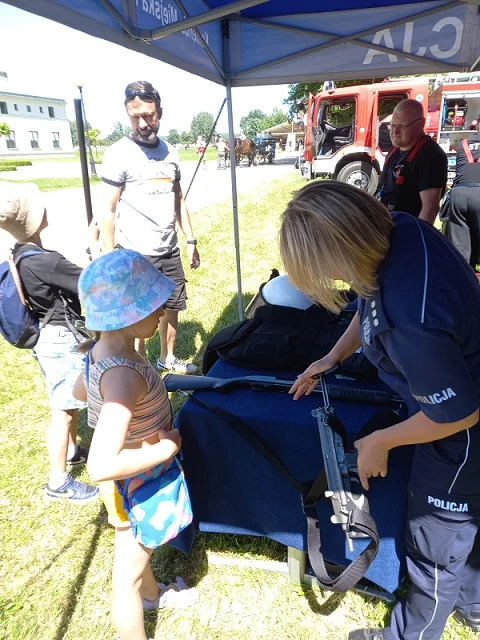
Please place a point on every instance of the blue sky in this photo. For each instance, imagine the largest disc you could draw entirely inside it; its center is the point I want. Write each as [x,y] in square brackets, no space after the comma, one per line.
[47,59]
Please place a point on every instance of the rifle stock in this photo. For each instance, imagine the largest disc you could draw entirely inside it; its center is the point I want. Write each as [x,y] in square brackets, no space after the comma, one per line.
[175,382]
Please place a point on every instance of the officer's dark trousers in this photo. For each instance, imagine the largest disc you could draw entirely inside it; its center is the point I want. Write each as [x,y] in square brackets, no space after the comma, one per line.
[442,545]
[463,226]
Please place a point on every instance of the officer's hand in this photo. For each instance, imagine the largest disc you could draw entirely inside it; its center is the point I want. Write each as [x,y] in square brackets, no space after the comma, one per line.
[304,384]
[193,256]
[372,458]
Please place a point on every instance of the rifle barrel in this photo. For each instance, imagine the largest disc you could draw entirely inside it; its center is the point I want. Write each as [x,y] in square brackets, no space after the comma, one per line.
[175,382]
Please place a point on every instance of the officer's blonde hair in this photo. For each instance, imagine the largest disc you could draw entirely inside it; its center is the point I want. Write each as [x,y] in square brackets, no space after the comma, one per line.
[334,231]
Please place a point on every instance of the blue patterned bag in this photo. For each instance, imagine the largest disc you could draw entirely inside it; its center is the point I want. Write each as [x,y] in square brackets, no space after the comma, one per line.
[160,508]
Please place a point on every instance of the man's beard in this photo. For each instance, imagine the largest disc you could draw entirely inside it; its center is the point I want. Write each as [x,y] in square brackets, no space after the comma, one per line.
[149,137]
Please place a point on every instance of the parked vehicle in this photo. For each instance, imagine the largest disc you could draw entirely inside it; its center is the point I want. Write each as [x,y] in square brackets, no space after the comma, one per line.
[265,148]
[347,135]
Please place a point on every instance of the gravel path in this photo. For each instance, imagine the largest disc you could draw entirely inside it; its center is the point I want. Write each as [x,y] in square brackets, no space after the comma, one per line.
[67,230]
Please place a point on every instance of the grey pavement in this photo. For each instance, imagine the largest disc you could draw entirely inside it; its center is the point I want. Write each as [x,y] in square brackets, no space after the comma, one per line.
[67,230]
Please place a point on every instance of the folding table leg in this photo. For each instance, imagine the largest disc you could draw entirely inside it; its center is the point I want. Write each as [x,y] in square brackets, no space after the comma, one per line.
[297,565]
[297,572]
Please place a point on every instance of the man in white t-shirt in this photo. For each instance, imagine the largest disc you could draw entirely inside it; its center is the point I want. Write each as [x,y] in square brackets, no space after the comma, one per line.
[144,205]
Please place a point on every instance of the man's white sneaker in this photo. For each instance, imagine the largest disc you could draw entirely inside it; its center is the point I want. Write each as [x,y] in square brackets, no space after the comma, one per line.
[177,365]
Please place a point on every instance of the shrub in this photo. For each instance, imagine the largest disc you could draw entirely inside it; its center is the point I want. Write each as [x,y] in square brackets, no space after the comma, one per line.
[11,162]
[7,168]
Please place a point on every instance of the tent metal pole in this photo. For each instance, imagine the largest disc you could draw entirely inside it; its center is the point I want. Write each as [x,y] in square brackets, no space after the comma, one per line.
[129,28]
[208,51]
[200,160]
[83,157]
[203,18]
[233,174]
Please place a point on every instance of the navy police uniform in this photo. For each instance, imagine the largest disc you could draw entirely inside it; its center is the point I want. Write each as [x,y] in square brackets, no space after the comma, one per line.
[463,224]
[421,328]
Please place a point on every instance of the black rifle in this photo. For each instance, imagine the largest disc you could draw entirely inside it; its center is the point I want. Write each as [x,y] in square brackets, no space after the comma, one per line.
[175,382]
[350,505]
[344,488]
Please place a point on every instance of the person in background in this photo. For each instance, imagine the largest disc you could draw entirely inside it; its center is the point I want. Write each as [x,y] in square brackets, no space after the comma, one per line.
[418,322]
[143,207]
[221,151]
[463,224]
[50,284]
[414,175]
[200,146]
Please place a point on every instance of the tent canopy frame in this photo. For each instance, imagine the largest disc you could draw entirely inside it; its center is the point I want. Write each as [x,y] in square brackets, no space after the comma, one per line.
[226,15]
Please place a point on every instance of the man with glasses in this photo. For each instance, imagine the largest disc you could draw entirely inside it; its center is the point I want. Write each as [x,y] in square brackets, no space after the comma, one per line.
[415,172]
[144,206]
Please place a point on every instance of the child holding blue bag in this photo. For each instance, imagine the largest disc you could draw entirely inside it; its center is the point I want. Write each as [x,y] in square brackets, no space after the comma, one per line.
[134,447]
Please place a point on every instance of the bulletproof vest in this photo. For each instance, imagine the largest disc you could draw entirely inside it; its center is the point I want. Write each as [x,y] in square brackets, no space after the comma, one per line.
[283,338]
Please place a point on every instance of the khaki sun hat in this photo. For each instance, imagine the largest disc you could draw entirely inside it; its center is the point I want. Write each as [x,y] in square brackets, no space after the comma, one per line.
[21,209]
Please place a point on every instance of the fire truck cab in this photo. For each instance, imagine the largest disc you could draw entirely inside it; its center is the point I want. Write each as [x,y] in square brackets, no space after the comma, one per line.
[346,135]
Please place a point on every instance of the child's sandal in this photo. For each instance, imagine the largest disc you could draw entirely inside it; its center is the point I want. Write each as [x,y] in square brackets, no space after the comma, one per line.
[176,595]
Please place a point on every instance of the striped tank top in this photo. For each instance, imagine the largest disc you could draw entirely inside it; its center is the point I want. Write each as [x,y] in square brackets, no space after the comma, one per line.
[152,413]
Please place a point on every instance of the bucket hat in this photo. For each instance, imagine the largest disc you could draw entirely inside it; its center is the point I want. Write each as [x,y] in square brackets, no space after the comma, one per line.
[21,209]
[121,288]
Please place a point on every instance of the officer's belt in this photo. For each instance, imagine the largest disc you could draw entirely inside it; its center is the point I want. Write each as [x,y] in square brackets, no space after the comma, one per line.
[466,184]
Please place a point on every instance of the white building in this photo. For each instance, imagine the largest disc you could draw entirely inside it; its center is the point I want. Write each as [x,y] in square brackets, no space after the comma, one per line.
[38,126]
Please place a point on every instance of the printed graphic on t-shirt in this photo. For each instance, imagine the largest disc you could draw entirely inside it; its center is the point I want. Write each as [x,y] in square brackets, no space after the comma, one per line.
[397,169]
[159,176]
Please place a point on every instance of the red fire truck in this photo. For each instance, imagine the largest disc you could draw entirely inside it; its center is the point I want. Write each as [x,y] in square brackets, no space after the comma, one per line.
[347,137]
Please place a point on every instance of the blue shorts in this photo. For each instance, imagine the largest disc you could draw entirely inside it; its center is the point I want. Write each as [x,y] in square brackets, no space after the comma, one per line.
[61,365]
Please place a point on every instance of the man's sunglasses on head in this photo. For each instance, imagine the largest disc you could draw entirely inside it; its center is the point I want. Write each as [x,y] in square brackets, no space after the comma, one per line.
[143,94]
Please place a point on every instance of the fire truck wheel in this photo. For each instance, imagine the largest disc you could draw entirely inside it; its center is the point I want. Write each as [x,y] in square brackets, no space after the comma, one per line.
[360,174]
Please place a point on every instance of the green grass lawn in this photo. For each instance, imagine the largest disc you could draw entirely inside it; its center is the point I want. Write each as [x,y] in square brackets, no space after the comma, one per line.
[191,154]
[75,157]
[56,559]
[54,184]
[185,155]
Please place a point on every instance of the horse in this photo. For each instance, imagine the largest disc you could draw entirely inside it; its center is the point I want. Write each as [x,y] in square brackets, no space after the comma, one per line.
[244,149]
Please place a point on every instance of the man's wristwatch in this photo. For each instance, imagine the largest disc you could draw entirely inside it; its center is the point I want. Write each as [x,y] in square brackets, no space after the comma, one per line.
[192,241]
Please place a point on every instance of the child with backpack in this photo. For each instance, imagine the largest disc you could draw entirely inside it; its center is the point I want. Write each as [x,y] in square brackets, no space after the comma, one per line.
[49,284]
[134,447]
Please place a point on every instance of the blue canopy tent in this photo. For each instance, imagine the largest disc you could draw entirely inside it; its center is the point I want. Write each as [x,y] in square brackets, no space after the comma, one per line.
[240,43]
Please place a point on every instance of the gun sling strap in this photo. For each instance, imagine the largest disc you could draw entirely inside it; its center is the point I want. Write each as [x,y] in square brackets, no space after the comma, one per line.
[361,522]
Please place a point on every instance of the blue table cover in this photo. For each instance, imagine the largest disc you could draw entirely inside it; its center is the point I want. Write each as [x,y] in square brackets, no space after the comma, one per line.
[234,490]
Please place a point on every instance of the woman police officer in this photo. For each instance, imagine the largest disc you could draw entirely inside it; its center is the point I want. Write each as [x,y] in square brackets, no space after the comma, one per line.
[418,321]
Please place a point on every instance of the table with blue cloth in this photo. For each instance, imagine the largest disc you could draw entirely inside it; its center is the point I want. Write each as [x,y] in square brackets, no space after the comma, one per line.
[235,490]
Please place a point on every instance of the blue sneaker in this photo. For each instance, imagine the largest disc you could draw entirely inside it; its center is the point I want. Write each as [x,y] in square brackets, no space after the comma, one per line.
[73,491]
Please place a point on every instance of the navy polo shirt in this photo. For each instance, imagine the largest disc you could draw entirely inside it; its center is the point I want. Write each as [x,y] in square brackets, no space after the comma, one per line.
[421,327]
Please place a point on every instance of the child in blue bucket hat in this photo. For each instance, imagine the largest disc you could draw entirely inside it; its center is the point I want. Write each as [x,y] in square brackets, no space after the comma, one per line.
[135,442]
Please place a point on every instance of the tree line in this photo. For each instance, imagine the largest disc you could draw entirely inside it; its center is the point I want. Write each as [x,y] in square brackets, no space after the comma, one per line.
[202,124]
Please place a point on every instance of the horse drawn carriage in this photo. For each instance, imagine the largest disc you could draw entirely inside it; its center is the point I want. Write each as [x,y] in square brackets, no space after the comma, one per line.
[254,151]
[244,148]
[265,148]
